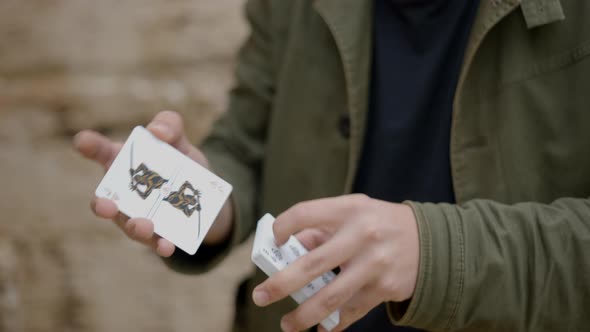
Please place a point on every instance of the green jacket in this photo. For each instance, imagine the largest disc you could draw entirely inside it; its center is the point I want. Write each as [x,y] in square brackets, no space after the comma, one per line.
[514,253]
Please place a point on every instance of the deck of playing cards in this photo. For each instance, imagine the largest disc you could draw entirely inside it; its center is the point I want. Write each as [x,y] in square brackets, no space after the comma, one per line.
[153,180]
[270,259]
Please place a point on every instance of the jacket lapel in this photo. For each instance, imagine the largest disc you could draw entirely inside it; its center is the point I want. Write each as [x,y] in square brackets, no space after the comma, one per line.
[490,13]
[350,22]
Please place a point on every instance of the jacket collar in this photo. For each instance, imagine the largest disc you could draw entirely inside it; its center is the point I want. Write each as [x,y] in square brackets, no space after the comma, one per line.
[490,12]
[541,12]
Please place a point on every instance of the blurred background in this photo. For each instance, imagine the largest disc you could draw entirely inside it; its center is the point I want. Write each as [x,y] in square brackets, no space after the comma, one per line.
[67,65]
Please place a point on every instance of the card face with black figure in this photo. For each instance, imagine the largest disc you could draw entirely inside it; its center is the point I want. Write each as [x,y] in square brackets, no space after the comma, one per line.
[151,179]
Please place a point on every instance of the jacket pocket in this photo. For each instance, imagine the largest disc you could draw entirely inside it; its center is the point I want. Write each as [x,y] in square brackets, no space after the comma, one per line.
[553,63]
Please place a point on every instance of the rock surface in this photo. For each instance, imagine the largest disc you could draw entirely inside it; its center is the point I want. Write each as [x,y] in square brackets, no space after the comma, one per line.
[108,65]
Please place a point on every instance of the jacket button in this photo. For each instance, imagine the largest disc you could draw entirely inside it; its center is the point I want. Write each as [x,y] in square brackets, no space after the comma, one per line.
[344,125]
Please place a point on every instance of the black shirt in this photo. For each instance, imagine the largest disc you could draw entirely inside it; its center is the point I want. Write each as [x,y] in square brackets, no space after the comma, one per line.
[417,56]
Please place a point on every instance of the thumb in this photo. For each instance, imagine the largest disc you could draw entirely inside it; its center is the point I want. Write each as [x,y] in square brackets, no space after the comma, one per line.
[168,126]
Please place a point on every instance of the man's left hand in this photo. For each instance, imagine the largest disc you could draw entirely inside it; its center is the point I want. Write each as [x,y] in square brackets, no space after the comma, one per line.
[375,244]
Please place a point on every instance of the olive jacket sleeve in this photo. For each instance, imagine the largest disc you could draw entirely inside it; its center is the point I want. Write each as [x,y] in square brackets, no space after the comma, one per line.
[494,267]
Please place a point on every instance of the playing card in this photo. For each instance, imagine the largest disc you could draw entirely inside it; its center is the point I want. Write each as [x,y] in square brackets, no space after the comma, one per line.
[153,180]
[270,259]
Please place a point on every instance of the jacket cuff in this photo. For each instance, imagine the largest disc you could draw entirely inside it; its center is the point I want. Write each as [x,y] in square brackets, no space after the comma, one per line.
[208,257]
[441,270]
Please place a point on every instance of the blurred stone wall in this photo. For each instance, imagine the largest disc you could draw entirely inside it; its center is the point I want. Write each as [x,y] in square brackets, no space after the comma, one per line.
[108,65]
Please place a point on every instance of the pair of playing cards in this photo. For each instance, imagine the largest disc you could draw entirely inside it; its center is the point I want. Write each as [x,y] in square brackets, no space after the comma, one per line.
[151,179]
[271,258]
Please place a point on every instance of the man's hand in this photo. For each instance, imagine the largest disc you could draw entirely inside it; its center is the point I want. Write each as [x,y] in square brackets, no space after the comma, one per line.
[375,243]
[168,127]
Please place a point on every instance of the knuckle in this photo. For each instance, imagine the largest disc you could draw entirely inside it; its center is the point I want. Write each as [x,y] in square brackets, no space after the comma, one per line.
[330,303]
[361,196]
[274,290]
[360,200]
[371,232]
[312,263]
[387,285]
[380,259]
[299,211]
[353,311]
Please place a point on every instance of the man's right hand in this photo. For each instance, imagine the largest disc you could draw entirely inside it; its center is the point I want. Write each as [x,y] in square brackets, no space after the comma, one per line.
[168,127]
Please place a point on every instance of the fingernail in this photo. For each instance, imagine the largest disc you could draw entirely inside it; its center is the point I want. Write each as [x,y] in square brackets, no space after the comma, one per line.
[260,297]
[162,129]
[285,326]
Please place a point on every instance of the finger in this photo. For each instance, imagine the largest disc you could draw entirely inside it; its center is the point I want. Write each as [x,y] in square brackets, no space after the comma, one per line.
[165,248]
[312,238]
[324,213]
[143,229]
[140,230]
[104,208]
[307,268]
[169,127]
[95,146]
[356,308]
[329,299]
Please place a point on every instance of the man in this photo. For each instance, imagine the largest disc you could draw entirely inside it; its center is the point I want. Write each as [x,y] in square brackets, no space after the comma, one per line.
[345,96]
